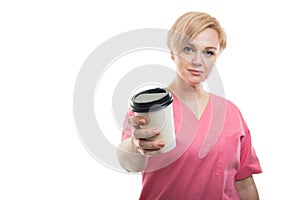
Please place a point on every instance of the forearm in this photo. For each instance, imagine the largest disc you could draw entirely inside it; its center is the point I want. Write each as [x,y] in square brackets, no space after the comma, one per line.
[129,158]
[247,189]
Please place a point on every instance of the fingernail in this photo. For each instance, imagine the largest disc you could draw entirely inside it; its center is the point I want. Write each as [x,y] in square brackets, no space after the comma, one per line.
[155,131]
[161,143]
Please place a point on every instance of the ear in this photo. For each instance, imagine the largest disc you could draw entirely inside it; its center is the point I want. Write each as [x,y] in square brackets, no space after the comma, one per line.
[172,56]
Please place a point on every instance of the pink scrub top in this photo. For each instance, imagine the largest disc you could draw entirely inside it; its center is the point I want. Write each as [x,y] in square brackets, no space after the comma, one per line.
[211,153]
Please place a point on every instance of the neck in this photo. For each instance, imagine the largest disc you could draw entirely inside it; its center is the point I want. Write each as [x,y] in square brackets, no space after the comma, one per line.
[192,96]
[185,91]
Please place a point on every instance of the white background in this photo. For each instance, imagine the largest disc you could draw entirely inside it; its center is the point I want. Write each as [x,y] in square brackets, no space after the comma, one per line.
[43,45]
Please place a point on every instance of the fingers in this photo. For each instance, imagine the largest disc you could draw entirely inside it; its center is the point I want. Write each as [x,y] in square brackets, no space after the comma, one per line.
[137,121]
[147,147]
[144,139]
[151,145]
[142,133]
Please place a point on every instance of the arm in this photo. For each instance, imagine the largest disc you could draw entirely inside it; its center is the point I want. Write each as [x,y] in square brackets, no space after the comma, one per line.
[247,189]
[249,164]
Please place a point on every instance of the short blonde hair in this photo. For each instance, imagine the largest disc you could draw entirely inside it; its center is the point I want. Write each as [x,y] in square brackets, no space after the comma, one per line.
[188,26]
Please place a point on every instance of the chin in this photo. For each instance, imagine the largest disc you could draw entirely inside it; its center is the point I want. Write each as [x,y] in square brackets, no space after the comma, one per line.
[194,84]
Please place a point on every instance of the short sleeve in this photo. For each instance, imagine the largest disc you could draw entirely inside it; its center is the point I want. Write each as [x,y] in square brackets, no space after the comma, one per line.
[249,163]
[127,129]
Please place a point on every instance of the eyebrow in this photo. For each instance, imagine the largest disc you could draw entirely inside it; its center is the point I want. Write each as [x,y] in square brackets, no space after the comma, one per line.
[208,47]
[216,49]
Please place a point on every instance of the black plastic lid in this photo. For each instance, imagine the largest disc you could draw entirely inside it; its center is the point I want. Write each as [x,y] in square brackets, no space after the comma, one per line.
[151,100]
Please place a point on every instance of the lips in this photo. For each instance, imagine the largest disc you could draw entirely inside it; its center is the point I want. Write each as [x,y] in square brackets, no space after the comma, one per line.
[195,72]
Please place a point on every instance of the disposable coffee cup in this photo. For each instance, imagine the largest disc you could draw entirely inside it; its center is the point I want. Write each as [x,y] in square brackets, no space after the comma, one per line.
[156,106]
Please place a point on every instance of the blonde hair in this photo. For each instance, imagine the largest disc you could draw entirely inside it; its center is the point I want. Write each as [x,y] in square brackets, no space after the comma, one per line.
[189,25]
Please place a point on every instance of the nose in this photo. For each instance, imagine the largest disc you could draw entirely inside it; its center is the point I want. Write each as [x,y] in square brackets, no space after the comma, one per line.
[197,60]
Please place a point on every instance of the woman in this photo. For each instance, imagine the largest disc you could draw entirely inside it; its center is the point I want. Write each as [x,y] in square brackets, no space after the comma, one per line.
[213,158]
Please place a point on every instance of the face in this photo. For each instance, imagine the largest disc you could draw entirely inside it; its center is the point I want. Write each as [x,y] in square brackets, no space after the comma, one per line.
[197,58]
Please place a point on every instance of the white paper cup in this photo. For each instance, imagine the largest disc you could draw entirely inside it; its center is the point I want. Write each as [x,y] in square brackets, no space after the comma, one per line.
[156,106]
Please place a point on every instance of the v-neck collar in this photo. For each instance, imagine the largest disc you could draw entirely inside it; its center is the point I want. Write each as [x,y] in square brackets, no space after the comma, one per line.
[182,104]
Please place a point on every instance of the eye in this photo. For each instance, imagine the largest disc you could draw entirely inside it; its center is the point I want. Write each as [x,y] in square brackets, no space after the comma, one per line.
[189,50]
[208,53]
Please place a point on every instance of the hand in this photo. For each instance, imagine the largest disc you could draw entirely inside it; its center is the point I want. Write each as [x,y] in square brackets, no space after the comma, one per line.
[144,139]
